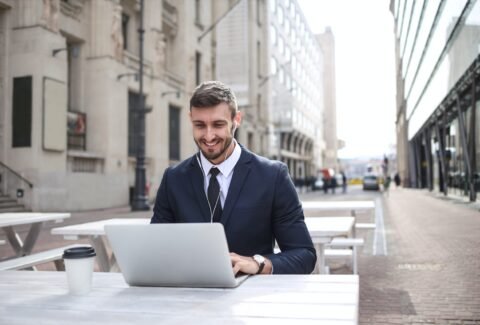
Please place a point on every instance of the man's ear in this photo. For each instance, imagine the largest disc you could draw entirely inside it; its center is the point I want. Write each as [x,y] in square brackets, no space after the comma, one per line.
[237,119]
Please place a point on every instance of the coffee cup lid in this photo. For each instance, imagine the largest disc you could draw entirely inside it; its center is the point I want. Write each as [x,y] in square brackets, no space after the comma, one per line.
[79,252]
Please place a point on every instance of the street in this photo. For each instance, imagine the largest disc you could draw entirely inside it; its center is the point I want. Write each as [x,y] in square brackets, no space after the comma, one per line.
[420,266]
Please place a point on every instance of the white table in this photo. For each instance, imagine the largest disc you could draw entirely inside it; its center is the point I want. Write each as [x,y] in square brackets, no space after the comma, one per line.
[42,297]
[95,233]
[322,230]
[352,206]
[36,220]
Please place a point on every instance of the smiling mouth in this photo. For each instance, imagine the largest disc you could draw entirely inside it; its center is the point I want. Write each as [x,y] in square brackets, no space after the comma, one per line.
[211,144]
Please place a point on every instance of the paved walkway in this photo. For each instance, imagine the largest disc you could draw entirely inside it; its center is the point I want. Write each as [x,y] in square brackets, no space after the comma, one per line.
[427,273]
[431,273]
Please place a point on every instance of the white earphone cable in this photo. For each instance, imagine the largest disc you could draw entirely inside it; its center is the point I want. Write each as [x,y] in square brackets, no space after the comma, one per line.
[212,212]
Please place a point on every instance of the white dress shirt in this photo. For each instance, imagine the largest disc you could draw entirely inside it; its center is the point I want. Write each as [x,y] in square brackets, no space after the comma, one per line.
[226,171]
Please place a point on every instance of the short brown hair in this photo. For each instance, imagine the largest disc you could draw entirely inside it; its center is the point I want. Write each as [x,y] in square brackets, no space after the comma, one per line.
[212,93]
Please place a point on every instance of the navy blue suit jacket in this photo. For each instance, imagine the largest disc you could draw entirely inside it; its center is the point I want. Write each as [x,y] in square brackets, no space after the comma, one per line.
[261,206]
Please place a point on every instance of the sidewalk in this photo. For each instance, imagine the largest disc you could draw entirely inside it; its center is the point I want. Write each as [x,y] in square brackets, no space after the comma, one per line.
[429,275]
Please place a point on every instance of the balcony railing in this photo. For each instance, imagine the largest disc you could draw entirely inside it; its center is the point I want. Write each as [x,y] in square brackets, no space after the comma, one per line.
[85,162]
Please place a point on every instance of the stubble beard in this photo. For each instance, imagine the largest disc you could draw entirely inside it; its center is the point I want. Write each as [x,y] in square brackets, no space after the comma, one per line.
[212,156]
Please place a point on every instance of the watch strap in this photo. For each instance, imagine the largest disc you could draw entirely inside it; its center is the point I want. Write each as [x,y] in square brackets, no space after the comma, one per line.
[261,266]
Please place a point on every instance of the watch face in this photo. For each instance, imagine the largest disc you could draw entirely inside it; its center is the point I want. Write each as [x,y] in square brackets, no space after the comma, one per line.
[259,259]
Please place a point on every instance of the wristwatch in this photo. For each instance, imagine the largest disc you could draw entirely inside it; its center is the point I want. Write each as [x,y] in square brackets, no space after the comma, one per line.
[260,261]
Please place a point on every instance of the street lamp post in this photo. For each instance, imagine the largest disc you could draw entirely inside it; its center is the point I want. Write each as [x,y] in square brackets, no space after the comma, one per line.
[140,200]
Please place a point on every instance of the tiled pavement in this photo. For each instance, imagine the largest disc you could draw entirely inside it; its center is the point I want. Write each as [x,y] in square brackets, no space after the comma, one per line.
[429,275]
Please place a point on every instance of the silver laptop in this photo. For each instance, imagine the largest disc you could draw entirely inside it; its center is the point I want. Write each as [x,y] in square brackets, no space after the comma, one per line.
[173,255]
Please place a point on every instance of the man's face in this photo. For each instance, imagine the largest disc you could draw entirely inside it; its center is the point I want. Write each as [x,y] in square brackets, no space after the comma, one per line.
[212,130]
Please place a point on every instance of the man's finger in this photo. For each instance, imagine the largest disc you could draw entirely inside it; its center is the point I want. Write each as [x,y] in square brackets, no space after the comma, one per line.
[236,269]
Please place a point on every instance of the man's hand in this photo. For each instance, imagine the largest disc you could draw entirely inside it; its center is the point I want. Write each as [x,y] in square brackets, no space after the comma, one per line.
[247,265]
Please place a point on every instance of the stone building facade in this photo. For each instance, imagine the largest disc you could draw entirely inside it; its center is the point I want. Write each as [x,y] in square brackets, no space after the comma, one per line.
[295,86]
[72,67]
[332,144]
[69,91]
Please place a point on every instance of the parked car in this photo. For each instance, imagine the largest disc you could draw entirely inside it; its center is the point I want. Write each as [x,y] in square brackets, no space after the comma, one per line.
[371,182]
[318,184]
[339,179]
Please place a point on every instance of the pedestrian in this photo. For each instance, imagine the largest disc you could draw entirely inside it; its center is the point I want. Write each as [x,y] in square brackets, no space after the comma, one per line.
[386,184]
[396,179]
[344,182]
[253,197]
[333,183]
[326,182]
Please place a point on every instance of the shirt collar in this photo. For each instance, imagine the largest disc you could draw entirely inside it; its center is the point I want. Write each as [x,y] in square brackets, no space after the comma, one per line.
[225,167]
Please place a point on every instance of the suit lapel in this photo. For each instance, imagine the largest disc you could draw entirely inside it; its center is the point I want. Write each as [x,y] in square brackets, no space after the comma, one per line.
[240,173]
[196,177]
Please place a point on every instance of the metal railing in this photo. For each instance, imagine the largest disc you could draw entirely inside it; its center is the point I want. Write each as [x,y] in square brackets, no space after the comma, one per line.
[14,185]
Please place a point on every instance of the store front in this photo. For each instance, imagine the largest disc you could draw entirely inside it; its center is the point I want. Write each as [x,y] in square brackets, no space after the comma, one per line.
[446,150]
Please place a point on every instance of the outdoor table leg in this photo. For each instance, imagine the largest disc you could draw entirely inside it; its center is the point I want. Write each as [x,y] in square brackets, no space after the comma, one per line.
[14,240]
[102,254]
[23,248]
[320,267]
[32,237]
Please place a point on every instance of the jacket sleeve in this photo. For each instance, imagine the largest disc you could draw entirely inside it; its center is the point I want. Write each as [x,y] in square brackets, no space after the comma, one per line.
[162,212]
[298,254]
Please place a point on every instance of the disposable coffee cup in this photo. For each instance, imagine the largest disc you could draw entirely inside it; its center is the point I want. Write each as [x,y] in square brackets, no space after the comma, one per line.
[79,263]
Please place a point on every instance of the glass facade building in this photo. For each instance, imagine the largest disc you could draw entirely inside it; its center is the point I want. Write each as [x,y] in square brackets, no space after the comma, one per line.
[438,94]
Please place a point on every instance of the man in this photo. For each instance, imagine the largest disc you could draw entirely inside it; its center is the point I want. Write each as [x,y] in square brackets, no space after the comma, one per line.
[252,197]
[344,181]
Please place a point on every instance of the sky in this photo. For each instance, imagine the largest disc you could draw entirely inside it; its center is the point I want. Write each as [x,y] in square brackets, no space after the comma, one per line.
[365,71]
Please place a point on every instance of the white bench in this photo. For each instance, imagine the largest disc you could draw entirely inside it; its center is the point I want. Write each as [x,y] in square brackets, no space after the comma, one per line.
[2,242]
[365,225]
[344,247]
[23,262]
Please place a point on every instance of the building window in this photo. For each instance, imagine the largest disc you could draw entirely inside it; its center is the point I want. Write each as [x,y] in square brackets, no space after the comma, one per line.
[174,133]
[288,81]
[273,5]
[76,130]
[76,119]
[259,59]
[273,66]
[273,35]
[280,15]
[22,112]
[198,68]
[259,106]
[259,12]
[281,75]
[125,21]
[288,54]
[198,13]
[133,107]
[74,70]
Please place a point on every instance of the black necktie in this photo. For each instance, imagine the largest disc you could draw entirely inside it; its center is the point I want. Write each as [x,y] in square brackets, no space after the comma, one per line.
[214,195]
